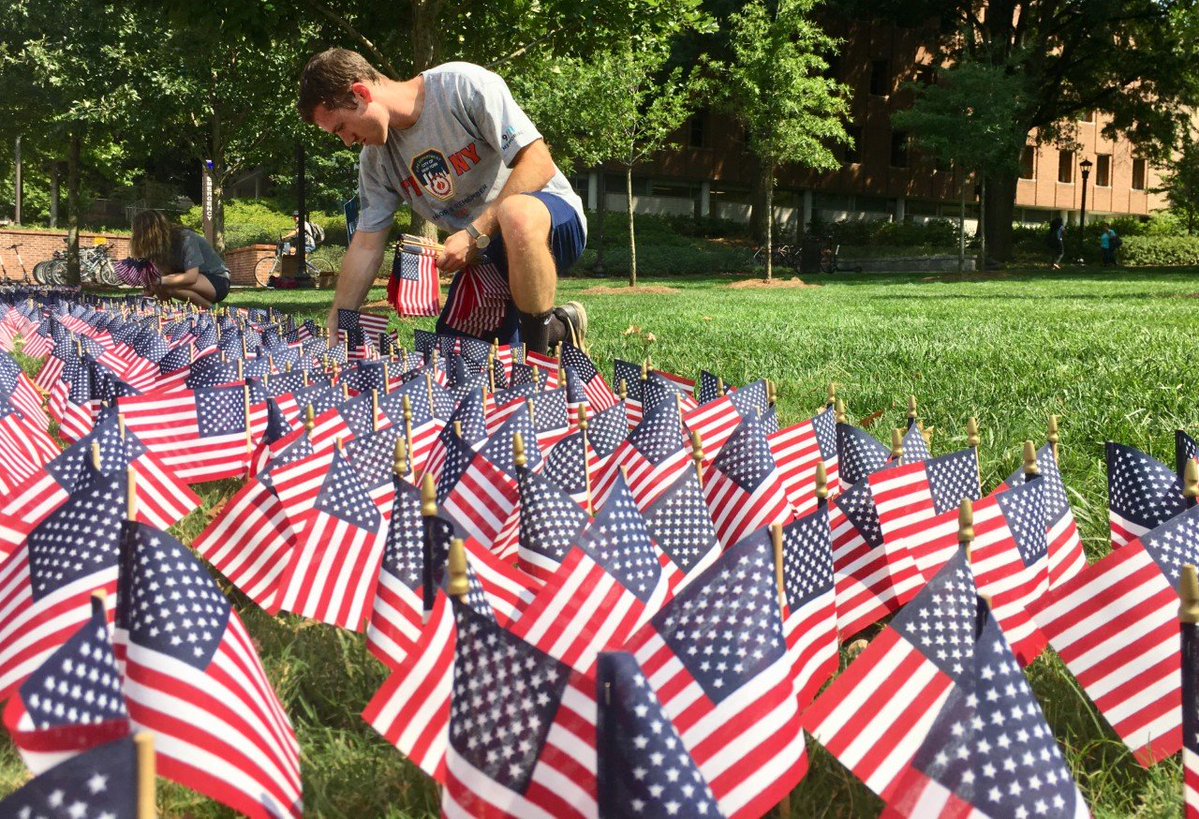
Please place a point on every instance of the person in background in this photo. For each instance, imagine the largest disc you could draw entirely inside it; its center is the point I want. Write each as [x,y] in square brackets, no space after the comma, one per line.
[307,230]
[1109,243]
[189,267]
[1057,241]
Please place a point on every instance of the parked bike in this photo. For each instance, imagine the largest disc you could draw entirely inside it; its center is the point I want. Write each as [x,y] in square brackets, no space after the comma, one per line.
[95,267]
[16,249]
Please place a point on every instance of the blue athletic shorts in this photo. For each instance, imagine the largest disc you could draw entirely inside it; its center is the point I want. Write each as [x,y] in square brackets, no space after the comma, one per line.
[567,240]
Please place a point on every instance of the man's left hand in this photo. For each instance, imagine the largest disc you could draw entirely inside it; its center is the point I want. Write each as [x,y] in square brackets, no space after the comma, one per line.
[459,251]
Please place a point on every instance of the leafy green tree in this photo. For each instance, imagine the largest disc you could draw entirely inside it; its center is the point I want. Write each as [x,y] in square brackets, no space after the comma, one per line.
[776,88]
[1181,183]
[968,118]
[1133,59]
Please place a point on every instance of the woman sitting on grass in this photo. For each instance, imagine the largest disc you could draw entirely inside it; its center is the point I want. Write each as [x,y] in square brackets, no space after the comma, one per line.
[190,269]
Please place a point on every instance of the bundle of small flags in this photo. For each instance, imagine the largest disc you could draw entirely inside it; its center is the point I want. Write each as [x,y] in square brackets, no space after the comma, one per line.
[137,272]
[591,601]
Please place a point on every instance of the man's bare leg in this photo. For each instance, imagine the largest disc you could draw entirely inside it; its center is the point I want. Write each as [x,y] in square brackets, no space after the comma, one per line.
[532,273]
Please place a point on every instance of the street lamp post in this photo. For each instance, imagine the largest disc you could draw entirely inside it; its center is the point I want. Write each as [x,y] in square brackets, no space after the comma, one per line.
[1085,165]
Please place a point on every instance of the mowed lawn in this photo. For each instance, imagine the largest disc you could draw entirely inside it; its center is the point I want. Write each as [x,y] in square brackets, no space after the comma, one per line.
[1113,354]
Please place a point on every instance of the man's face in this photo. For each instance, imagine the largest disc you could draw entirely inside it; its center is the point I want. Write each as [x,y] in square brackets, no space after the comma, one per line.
[364,124]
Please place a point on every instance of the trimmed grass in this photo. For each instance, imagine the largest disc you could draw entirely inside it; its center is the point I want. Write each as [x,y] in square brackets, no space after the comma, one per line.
[1112,353]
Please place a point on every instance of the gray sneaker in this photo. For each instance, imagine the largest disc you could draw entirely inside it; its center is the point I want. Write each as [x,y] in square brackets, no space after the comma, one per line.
[574,316]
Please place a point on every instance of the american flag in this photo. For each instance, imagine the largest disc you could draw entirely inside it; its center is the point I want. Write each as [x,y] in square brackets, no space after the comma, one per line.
[1066,555]
[918,504]
[24,449]
[739,719]
[1010,561]
[607,430]
[798,450]
[599,395]
[742,485]
[644,768]
[478,490]
[470,417]
[619,540]
[193,677]
[654,454]
[915,448]
[18,391]
[398,615]
[627,378]
[332,572]
[1115,627]
[549,721]
[658,388]
[201,434]
[1189,635]
[870,576]
[810,602]
[989,750]
[710,388]
[1185,449]
[716,422]
[102,782]
[78,407]
[72,702]
[414,288]
[551,418]
[1142,493]
[250,542]
[679,522]
[47,583]
[858,454]
[550,524]
[573,465]
[478,301]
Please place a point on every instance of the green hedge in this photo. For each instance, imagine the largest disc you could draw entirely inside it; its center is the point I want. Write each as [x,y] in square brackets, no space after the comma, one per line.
[262,221]
[1160,251]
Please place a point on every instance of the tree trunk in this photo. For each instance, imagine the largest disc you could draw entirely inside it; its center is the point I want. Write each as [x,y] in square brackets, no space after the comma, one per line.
[601,210]
[962,229]
[426,47]
[73,207]
[55,173]
[1000,196]
[767,183]
[757,213]
[982,218]
[218,175]
[628,178]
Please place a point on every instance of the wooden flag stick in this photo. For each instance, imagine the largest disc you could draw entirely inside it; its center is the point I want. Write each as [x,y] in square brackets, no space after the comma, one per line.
[583,425]
[1031,468]
[532,418]
[831,401]
[406,403]
[719,386]
[821,483]
[310,420]
[429,388]
[249,429]
[400,465]
[972,441]
[966,525]
[459,585]
[146,775]
[491,371]
[458,429]
[1188,591]
[1055,437]
[776,538]
[518,451]
[1190,482]
[375,410]
[623,390]
[697,455]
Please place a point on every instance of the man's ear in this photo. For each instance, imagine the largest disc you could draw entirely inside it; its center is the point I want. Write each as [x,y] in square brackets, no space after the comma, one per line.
[362,91]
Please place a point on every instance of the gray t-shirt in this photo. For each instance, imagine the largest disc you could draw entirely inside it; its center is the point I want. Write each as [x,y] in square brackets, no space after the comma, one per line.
[455,160]
[189,249]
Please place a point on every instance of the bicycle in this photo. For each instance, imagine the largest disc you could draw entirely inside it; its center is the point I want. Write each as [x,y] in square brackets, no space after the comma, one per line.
[780,255]
[270,267]
[829,253]
[95,267]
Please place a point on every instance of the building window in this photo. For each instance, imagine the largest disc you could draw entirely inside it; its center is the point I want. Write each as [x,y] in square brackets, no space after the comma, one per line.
[1065,167]
[853,151]
[899,149]
[1087,116]
[1138,174]
[880,77]
[1103,170]
[1028,160]
[695,137]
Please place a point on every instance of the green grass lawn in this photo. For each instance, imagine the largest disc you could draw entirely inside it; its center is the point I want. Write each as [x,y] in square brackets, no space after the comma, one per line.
[1112,353]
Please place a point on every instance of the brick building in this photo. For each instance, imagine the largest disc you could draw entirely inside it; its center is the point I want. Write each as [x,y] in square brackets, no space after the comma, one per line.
[712,171]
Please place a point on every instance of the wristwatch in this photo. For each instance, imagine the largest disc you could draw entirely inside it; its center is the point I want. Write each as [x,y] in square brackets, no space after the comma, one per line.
[481,240]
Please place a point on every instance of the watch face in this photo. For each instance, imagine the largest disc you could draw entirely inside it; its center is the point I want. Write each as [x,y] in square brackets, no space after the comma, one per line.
[482,241]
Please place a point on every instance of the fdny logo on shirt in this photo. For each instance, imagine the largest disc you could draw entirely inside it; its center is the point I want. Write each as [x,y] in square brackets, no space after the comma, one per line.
[433,173]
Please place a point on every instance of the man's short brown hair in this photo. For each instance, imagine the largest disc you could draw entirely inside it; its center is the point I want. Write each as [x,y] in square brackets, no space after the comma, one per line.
[327,79]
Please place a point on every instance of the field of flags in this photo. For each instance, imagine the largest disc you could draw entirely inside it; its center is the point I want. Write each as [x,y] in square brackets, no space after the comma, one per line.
[594,597]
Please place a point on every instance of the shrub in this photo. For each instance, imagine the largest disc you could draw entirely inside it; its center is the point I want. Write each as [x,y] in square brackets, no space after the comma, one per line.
[263,221]
[1160,251]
